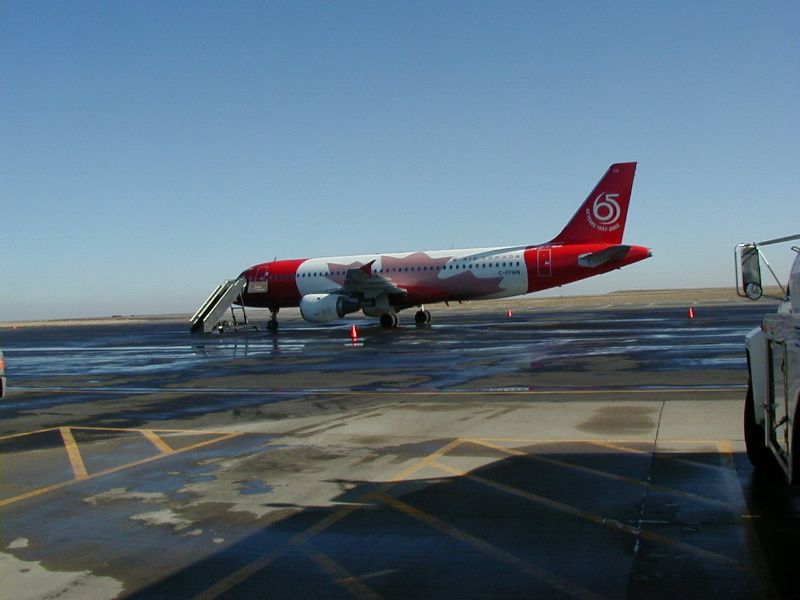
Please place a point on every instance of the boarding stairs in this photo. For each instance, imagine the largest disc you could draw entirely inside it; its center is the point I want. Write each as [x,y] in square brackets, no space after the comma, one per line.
[211,313]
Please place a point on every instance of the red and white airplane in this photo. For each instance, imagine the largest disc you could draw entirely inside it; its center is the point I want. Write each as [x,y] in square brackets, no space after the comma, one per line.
[381,285]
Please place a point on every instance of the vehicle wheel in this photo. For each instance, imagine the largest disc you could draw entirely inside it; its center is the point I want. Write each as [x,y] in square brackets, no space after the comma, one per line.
[422,317]
[757,450]
[272,325]
[388,320]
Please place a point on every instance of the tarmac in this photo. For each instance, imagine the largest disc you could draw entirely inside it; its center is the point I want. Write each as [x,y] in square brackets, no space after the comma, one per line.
[591,453]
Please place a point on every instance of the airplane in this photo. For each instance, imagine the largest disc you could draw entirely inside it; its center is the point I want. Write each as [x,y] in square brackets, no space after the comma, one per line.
[381,285]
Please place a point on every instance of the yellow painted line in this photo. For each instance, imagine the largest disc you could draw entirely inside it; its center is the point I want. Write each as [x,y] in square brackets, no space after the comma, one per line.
[352,584]
[596,519]
[58,486]
[227,583]
[242,574]
[603,474]
[16,435]
[375,574]
[159,443]
[491,446]
[619,448]
[551,579]
[428,460]
[189,431]
[667,456]
[726,450]
[82,428]
[691,463]
[614,444]
[74,455]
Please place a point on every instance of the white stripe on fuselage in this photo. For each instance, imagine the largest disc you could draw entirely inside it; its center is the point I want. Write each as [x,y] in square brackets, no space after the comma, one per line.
[506,266]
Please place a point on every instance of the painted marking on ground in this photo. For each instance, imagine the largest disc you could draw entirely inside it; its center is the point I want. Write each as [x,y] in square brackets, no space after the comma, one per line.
[601,474]
[354,586]
[381,494]
[79,469]
[592,518]
[74,455]
[547,577]
[158,442]
[243,573]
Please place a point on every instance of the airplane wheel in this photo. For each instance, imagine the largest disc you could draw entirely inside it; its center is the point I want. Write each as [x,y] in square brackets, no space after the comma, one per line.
[388,320]
[272,325]
[422,317]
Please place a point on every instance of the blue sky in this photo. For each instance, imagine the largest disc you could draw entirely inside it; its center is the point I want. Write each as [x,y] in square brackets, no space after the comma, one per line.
[149,150]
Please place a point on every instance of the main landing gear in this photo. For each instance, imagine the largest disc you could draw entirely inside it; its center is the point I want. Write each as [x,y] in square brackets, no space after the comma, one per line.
[272,324]
[422,317]
[389,319]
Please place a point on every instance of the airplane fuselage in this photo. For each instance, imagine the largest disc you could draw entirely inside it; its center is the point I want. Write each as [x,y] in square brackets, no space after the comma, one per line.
[434,276]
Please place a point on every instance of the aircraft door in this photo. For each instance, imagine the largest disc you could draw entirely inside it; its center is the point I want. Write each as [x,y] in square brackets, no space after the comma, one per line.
[258,285]
[544,262]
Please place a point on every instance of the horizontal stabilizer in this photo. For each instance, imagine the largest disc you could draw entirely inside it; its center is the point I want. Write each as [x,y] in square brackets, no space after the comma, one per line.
[597,259]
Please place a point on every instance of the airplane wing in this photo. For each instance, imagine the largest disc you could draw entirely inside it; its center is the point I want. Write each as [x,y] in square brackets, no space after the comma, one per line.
[593,260]
[364,283]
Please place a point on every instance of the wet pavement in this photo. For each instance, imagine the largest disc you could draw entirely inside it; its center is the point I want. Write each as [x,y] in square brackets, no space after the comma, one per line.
[591,454]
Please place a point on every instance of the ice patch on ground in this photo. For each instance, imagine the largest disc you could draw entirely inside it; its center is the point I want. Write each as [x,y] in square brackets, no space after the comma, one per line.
[163,517]
[31,581]
[124,494]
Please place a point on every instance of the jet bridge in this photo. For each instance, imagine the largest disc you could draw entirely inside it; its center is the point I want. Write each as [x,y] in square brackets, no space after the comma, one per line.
[221,299]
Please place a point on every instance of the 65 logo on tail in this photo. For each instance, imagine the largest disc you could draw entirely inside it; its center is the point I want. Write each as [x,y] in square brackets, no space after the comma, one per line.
[605,212]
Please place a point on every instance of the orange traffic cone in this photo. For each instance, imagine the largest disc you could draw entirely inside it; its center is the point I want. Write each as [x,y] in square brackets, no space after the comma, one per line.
[691,313]
[509,312]
[353,333]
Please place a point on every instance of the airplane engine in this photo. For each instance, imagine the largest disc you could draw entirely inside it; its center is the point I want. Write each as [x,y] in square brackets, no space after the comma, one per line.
[321,308]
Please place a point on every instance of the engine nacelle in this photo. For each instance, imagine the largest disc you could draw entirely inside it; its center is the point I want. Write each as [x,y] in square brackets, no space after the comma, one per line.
[321,308]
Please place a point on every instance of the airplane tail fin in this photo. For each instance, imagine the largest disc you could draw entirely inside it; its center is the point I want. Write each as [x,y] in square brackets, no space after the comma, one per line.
[601,217]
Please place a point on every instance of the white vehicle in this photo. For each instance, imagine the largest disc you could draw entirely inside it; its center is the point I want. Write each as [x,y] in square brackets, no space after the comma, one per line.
[771,413]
